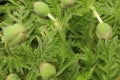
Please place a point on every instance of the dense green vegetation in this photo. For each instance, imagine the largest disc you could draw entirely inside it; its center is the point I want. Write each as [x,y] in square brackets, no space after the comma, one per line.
[64,36]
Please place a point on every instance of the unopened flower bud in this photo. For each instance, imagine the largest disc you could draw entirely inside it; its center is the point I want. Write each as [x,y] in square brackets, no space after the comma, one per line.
[104,31]
[67,3]
[41,9]
[47,70]
[13,77]
[15,34]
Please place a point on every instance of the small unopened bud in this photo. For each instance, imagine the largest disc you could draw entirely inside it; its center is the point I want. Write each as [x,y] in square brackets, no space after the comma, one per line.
[41,9]
[104,31]
[13,77]
[67,3]
[47,71]
[15,34]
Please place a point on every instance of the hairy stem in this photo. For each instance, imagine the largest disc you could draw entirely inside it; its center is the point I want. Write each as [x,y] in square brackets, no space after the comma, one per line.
[57,24]
[96,14]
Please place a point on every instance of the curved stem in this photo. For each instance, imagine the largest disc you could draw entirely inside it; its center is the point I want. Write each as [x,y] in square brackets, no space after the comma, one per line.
[51,17]
[58,26]
[55,21]
[96,14]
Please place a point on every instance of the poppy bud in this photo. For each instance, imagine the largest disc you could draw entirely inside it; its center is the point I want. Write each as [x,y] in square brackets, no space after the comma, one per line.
[13,77]
[104,31]
[15,34]
[67,3]
[47,70]
[41,9]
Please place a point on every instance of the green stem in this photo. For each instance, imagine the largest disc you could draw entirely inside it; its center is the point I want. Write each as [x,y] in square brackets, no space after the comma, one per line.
[58,26]
[51,17]
[55,21]
[96,14]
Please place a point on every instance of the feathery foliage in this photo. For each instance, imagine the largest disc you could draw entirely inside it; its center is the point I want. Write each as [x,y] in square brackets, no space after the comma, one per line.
[73,47]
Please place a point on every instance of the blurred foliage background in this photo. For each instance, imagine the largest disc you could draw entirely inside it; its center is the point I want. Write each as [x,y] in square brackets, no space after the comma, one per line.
[75,50]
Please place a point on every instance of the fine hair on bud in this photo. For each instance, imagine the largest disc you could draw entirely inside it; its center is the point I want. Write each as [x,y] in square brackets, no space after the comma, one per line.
[13,76]
[15,34]
[104,31]
[47,70]
[68,3]
[41,9]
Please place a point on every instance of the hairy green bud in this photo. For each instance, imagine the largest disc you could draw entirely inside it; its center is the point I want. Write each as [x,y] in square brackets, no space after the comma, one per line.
[13,77]
[67,3]
[104,31]
[15,34]
[41,9]
[47,70]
